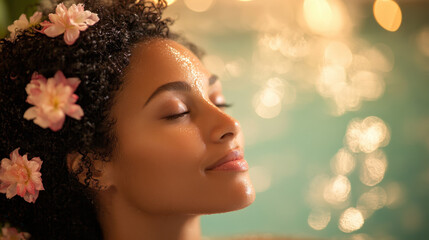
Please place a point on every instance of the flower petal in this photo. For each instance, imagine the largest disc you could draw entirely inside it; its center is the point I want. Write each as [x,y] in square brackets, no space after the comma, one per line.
[75,111]
[73,83]
[11,191]
[71,35]
[42,122]
[35,19]
[54,30]
[57,125]
[31,113]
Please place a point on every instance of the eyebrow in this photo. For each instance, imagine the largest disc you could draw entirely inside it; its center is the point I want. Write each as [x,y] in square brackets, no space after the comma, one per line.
[177,86]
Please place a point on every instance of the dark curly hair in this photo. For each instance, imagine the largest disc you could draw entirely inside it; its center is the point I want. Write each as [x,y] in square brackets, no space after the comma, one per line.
[99,57]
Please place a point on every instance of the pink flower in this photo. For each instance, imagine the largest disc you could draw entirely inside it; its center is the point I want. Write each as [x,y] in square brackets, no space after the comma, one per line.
[20,176]
[10,233]
[69,21]
[52,99]
[22,23]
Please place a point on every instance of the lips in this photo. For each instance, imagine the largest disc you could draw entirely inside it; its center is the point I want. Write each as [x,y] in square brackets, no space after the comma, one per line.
[232,155]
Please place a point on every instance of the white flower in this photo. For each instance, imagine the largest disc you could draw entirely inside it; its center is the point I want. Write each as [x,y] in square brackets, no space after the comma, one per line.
[22,23]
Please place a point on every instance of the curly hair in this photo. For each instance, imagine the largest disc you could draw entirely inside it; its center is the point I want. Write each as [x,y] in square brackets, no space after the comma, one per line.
[99,57]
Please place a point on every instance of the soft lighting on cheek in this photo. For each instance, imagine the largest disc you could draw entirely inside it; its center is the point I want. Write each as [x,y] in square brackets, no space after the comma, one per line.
[388,14]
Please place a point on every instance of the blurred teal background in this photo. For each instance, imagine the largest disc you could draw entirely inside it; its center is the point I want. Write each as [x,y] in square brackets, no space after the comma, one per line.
[334,109]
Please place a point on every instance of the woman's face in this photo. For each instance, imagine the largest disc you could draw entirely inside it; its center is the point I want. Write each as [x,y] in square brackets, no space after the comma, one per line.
[160,163]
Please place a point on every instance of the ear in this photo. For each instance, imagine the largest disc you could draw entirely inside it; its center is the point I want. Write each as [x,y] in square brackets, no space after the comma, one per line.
[102,171]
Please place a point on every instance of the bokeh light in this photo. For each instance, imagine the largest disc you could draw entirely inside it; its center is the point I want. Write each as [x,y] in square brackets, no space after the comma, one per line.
[268,101]
[367,135]
[323,16]
[388,14]
[351,220]
[373,168]
[338,190]
[343,162]
[199,5]
[371,201]
[319,219]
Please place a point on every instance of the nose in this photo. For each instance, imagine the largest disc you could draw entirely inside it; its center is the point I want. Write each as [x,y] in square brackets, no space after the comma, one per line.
[223,127]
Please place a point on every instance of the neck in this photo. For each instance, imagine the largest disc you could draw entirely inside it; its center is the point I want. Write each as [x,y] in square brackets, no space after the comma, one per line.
[120,220]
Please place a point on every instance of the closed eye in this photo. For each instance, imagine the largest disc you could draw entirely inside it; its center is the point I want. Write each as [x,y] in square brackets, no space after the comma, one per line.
[172,117]
[175,116]
[222,105]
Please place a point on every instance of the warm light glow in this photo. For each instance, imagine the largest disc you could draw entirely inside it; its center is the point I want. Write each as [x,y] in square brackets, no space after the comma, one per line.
[295,46]
[268,101]
[343,162]
[368,84]
[338,190]
[351,220]
[332,80]
[381,58]
[388,14]
[319,219]
[367,135]
[372,200]
[338,53]
[322,16]
[373,168]
[198,5]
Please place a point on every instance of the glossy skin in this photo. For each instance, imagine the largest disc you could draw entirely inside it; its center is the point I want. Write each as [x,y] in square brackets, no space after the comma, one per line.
[158,185]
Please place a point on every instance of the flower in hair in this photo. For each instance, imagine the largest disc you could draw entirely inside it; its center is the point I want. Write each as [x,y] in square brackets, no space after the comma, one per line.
[68,21]
[22,23]
[21,176]
[11,233]
[53,99]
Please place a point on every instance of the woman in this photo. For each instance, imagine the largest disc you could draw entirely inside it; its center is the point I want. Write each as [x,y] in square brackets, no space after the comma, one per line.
[111,128]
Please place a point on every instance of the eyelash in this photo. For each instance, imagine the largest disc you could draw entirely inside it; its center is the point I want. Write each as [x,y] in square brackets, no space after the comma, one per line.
[175,116]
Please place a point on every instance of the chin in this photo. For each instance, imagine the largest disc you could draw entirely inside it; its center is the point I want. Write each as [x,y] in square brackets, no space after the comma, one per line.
[238,197]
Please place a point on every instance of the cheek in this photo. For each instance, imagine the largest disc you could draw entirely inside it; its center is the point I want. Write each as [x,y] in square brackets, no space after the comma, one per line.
[159,166]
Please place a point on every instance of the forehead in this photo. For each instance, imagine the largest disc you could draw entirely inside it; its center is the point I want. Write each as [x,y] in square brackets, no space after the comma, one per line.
[159,61]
